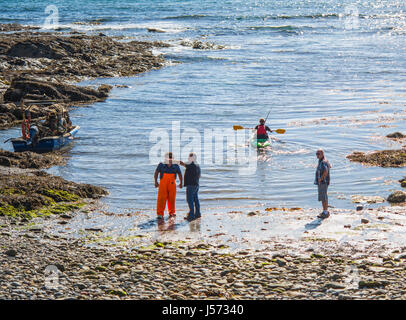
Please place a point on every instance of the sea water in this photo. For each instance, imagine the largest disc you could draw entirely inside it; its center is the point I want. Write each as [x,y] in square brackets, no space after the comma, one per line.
[332,73]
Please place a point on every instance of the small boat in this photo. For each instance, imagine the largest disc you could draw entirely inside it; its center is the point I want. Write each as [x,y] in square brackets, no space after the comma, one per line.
[260,143]
[45,144]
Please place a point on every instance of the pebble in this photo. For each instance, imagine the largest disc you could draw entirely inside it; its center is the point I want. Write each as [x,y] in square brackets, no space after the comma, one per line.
[11,253]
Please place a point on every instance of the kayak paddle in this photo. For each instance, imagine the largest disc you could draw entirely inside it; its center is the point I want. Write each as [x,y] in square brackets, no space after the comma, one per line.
[280,131]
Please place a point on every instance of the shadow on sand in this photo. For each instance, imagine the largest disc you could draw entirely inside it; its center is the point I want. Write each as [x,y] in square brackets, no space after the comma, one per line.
[314,224]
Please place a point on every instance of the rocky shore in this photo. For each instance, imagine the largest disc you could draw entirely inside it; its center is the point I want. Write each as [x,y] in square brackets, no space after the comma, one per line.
[43,66]
[26,194]
[40,67]
[36,265]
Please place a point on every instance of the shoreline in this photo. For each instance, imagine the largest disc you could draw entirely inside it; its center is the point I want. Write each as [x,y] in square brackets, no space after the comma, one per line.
[40,66]
[202,269]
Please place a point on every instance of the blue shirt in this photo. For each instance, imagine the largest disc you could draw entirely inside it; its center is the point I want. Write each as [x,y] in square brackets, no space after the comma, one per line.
[164,168]
[321,167]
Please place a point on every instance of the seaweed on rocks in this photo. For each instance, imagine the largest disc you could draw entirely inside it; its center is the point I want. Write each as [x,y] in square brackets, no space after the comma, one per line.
[37,193]
[28,88]
[384,158]
[30,160]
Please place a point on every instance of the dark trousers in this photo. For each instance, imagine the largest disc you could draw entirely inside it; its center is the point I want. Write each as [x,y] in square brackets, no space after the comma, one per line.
[193,201]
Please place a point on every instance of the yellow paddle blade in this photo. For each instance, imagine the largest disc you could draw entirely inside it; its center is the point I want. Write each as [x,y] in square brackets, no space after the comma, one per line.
[280,131]
[238,127]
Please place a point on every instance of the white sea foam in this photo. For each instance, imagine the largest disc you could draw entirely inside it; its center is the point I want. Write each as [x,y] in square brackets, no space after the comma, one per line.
[166,27]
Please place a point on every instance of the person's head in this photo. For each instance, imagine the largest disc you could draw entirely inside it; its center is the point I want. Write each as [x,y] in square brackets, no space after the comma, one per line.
[262,121]
[168,157]
[192,157]
[320,154]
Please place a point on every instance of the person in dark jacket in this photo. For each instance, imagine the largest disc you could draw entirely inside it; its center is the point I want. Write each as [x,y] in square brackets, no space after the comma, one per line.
[191,182]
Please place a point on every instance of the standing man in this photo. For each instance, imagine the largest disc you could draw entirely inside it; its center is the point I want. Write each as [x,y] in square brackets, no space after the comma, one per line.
[167,185]
[322,180]
[192,176]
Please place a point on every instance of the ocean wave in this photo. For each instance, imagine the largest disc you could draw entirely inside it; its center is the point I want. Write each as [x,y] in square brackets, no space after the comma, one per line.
[188,17]
[289,29]
[89,26]
[310,16]
[185,58]
[287,17]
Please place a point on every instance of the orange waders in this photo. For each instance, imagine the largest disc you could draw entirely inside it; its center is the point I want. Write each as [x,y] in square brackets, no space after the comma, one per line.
[166,193]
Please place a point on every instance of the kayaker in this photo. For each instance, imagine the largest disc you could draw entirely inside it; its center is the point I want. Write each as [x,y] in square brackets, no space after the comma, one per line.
[192,176]
[167,172]
[322,180]
[262,129]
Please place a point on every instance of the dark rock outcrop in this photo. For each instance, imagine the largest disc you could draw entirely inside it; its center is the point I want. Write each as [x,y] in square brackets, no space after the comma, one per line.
[27,192]
[8,27]
[396,136]
[30,160]
[42,66]
[397,197]
[31,89]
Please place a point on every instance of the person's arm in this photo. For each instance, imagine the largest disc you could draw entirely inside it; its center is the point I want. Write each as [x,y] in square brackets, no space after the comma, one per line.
[268,129]
[180,179]
[157,170]
[182,163]
[198,172]
[156,178]
[324,175]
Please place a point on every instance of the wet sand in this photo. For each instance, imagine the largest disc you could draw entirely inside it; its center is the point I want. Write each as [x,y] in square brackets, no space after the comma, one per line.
[278,254]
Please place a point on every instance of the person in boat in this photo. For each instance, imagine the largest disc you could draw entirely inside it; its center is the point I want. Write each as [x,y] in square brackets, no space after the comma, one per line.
[167,172]
[33,130]
[50,126]
[30,132]
[262,130]
[322,180]
[69,125]
[191,182]
[62,124]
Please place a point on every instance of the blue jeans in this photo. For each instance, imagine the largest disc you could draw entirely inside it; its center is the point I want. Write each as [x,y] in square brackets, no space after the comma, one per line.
[193,201]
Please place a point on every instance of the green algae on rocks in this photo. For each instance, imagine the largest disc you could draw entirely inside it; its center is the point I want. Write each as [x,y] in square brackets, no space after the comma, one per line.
[38,193]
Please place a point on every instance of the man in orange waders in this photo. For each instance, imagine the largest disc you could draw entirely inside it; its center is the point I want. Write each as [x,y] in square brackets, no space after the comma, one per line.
[167,185]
